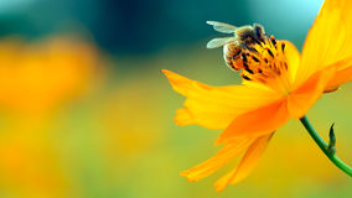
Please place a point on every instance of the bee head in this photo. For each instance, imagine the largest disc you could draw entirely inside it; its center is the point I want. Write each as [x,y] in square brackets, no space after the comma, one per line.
[251,34]
[259,32]
[246,35]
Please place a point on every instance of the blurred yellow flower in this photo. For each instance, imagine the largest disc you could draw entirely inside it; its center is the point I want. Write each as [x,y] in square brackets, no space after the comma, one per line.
[36,77]
[278,84]
[125,138]
[30,168]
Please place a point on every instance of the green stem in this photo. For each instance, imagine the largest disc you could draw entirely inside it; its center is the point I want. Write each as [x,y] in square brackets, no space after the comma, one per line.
[324,147]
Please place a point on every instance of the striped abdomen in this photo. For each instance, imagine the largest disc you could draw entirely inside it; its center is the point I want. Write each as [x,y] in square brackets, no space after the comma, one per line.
[232,56]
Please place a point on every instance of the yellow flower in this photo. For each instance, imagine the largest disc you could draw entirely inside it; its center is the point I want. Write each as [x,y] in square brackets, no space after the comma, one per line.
[278,84]
[37,77]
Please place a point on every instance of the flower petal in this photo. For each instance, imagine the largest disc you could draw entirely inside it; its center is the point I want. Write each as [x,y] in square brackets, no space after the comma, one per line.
[215,107]
[343,74]
[292,57]
[248,162]
[329,40]
[228,152]
[301,99]
[259,122]
[183,117]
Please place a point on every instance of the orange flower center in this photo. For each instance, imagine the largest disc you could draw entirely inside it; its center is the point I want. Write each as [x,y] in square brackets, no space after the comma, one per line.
[260,58]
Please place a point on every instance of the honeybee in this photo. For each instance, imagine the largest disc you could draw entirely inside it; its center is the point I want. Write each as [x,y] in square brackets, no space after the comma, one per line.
[243,39]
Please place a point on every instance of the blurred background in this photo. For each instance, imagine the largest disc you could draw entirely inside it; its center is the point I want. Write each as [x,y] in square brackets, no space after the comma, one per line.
[86,112]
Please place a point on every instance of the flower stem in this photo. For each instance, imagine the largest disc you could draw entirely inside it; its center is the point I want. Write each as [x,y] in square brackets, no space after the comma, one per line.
[324,147]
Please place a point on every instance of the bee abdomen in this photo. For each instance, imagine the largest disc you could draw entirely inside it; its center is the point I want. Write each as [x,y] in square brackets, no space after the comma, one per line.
[231,55]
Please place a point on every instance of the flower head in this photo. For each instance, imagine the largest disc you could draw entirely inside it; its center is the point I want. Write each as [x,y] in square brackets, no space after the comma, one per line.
[37,77]
[278,84]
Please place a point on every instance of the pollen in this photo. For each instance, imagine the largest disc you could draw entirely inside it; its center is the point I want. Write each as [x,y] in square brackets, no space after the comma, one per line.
[259,57]
[262,61]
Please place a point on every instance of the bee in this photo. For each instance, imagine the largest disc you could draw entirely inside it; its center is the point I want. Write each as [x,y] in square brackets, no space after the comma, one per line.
[243,39]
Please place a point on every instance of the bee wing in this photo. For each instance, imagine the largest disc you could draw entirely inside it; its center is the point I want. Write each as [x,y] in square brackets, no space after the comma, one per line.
[222,27]
[218,42]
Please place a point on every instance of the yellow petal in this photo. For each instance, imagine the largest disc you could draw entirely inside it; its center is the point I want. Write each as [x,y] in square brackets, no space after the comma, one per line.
[343,74]
[228,152]
[293,58]
[302,98]
[259,122]
[329,40]
[248,162]
[183,117]
[215,107]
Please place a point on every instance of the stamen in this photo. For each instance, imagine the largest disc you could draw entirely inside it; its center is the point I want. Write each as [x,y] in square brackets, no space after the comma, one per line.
[245,77]
[247,69]
[272,38]
[245,64]
[283,47]
[244,58]
[255,59]
[270,52]
[260,57]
